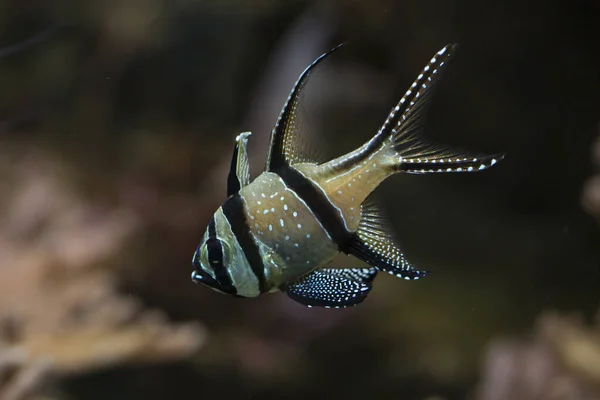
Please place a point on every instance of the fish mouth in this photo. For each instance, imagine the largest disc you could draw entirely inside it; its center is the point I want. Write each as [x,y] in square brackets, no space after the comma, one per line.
[197,277]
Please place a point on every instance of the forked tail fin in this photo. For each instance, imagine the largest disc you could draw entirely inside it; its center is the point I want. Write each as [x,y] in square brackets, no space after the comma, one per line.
[402,131]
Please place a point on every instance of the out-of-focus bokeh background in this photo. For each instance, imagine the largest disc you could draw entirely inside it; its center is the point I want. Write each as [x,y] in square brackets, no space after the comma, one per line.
[117,121]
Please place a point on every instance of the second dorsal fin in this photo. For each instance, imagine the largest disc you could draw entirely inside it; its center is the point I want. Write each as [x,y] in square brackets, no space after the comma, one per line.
[374,243]
[289,144]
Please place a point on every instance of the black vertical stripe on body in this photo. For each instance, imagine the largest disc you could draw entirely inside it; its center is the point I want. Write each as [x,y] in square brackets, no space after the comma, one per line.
[215,260]
[233,209]
[319,205]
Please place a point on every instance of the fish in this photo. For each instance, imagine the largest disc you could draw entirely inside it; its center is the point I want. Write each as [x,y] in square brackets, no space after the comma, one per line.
[278,232]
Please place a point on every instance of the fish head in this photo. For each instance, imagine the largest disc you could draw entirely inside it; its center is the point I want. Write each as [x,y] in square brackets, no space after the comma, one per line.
[220,263]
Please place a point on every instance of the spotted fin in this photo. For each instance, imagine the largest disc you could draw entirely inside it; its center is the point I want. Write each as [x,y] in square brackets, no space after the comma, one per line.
[239,173]
[374,243]
[332,288]
[288,144]
[404,128]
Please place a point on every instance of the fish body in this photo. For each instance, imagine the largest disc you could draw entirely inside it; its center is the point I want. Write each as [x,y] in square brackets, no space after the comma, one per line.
[279,231]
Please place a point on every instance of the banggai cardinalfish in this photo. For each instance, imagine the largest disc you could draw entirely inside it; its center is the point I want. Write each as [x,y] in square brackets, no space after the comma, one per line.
[279,231]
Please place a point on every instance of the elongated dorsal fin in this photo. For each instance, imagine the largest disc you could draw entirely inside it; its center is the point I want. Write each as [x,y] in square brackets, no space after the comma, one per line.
[332,287]
[374,243]
[288,145]
[239,172]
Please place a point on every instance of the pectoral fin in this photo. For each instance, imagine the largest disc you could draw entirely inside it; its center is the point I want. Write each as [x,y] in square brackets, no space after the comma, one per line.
[332,288]
[374,244]
[239,173]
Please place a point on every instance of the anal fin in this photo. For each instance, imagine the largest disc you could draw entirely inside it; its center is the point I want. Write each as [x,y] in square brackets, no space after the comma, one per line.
[374,243]
[332,288]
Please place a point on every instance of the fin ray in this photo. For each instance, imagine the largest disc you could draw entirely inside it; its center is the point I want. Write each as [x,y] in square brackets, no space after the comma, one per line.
[374,243]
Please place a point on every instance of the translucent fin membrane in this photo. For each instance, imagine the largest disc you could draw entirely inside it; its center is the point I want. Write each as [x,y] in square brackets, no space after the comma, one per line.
[374,244]
[290,143]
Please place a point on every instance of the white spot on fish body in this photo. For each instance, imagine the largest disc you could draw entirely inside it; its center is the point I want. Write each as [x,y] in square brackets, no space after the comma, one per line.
[285,207]
[270,227]
[259,203]
[481,166]
[295,214]
[299,226]
[281,222]
[339,192]
[281,198]
[493,161]
[263,195]
[308,235]
[272,209]
[470,169]
[287,238]
[266,212]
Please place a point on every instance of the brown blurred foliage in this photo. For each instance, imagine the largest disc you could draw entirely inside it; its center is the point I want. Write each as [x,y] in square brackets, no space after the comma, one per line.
[561,361]
[60,310]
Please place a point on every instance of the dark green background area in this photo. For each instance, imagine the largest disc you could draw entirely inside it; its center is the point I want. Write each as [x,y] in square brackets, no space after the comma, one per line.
[151,94]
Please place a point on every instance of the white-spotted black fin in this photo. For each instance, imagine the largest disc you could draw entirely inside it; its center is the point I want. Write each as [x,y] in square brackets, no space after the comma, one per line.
[332,288]
[239,173]
[289,143]
[374,243]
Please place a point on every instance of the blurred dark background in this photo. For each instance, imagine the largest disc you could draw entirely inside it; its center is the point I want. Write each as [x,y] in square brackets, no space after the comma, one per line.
[117,122]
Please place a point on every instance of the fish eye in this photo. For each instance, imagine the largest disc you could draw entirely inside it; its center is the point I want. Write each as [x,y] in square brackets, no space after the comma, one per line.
[210,266]
[214,251]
